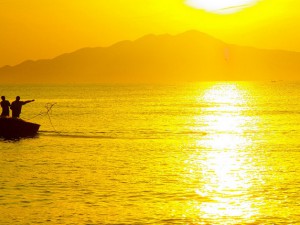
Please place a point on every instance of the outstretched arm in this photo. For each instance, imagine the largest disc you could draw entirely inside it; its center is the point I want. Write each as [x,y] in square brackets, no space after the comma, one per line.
[25,102]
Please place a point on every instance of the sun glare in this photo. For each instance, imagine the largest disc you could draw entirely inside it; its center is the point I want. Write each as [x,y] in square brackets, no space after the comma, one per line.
[221,6]
[223,161]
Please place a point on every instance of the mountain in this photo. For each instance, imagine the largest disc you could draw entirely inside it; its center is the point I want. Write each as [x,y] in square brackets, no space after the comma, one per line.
[190,56]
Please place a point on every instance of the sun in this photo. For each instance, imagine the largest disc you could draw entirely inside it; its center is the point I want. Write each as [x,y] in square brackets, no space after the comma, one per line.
[221,6]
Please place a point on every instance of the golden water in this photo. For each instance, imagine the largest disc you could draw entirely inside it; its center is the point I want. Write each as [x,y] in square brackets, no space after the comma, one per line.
[206,153]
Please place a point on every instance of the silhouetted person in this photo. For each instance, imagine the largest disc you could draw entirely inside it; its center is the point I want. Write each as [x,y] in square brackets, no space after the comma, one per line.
[5,107]
[16,106]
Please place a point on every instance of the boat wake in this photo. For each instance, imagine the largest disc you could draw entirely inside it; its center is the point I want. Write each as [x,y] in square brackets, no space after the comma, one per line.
[121,135]
[74,135]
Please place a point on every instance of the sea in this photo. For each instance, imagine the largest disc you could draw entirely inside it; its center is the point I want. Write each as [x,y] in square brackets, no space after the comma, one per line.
[195,154]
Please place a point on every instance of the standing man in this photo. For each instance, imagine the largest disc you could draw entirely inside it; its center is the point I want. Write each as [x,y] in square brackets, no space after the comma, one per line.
[5,107]
[16,106]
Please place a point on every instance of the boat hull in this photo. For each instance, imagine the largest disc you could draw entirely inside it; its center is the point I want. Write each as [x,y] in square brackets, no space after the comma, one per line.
[16,128]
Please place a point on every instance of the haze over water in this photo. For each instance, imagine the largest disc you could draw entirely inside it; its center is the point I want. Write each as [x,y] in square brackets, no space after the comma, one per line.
[203,153]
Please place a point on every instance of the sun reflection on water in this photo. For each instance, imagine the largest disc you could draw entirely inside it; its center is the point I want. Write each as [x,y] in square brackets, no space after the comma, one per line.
[223,165]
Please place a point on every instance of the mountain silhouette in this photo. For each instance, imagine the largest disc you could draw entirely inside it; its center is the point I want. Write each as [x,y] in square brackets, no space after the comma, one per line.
[190,56]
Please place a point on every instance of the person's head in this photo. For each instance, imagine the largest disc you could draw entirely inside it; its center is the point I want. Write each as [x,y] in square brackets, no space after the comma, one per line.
[18,98]
[3,98]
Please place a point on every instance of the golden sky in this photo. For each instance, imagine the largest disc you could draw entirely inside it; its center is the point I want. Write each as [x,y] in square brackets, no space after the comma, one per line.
[35,29]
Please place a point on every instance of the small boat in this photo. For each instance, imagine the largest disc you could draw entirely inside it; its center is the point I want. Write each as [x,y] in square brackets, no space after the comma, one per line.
[16,128]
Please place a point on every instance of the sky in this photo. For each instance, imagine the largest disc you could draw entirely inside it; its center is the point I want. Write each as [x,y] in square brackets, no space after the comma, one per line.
[42,29]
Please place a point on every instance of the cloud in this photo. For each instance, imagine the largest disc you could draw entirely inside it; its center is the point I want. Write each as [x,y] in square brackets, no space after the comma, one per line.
[221,6]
